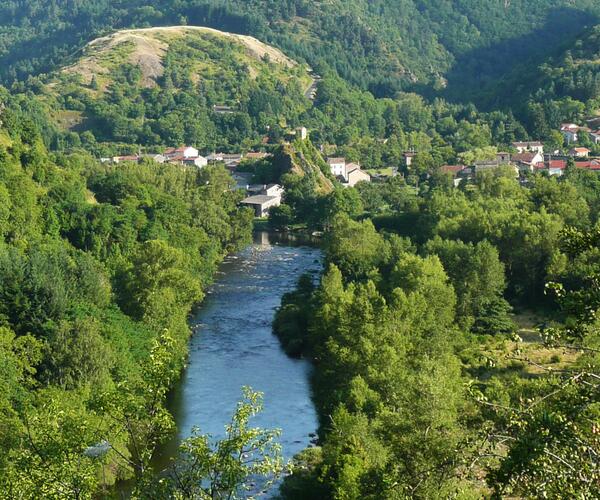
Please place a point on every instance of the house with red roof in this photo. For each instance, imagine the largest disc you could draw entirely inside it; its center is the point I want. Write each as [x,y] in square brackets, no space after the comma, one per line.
[527,162]
[181,152]
[579,152]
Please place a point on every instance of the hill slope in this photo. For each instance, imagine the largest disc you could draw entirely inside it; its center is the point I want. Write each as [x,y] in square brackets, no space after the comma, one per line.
[176,85]
[382,45]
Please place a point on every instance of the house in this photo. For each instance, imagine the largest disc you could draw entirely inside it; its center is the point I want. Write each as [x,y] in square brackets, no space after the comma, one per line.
[197,161]
[262,204]
[555,167]
[483,165]
[458,172]
[595,136]
[302,133]
[529,147]
[182,152]
[242,179]
[349,174]
[408,158]
[119,159]
[256,155]
[270,196]
[591,165]
[223,110]
[503,157]
[579,152]
[527,162]
[354,175]
[273,190]
[230,160]
[570,132]
[337,166]
[453,170]
[158,158]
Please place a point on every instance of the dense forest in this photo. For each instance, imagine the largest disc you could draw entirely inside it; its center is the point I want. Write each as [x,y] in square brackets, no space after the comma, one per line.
[424,390]
[383,46]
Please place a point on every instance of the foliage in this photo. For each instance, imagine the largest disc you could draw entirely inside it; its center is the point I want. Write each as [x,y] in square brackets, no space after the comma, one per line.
[231,467]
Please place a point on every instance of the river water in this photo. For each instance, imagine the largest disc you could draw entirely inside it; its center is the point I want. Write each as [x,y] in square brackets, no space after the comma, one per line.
[234,346]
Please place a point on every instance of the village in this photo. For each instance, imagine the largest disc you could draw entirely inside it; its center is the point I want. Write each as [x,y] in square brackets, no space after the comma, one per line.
[526,158]
[260,197]
[530,157]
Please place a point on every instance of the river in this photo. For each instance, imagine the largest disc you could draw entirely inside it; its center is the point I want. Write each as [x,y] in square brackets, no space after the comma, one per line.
[234,346]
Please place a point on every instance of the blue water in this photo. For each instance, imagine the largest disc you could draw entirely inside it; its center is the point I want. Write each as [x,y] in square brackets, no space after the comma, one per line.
[234,346]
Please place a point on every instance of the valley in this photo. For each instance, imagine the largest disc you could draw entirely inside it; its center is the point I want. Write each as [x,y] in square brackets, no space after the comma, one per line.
[165,332]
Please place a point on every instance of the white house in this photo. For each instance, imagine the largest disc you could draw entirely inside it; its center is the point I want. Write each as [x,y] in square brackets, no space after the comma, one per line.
[195,161]
[180,153]
[158,158]
[570,132]
[262,204]
[270,196]
[354,175]
[528,161]
[337,166]
[529,147]
[579,152]
[408,158]
[349,174]
[273,190]
[302,133]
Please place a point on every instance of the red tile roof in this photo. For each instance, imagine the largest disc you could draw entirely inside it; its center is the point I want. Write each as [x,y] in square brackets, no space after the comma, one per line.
[525,157]
[452,169]
[560,164]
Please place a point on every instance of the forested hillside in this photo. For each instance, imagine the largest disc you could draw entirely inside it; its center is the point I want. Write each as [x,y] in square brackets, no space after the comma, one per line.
[162,86]
[382,46]
[158,87]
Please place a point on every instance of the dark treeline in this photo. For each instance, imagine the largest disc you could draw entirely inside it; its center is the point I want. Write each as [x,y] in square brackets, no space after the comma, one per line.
[381,46]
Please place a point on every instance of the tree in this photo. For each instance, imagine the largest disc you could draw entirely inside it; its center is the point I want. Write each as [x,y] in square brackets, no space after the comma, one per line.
[281,217]
[478,278]
[355,247]
[551,438]
[159,285]
[230,468]
[341,201]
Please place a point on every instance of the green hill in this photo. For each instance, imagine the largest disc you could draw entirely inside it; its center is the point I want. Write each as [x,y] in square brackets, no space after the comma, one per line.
[175,85]
[565,85]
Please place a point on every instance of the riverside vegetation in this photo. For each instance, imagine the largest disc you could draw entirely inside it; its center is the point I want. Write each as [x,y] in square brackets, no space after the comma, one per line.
[99,268]
[422,387]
